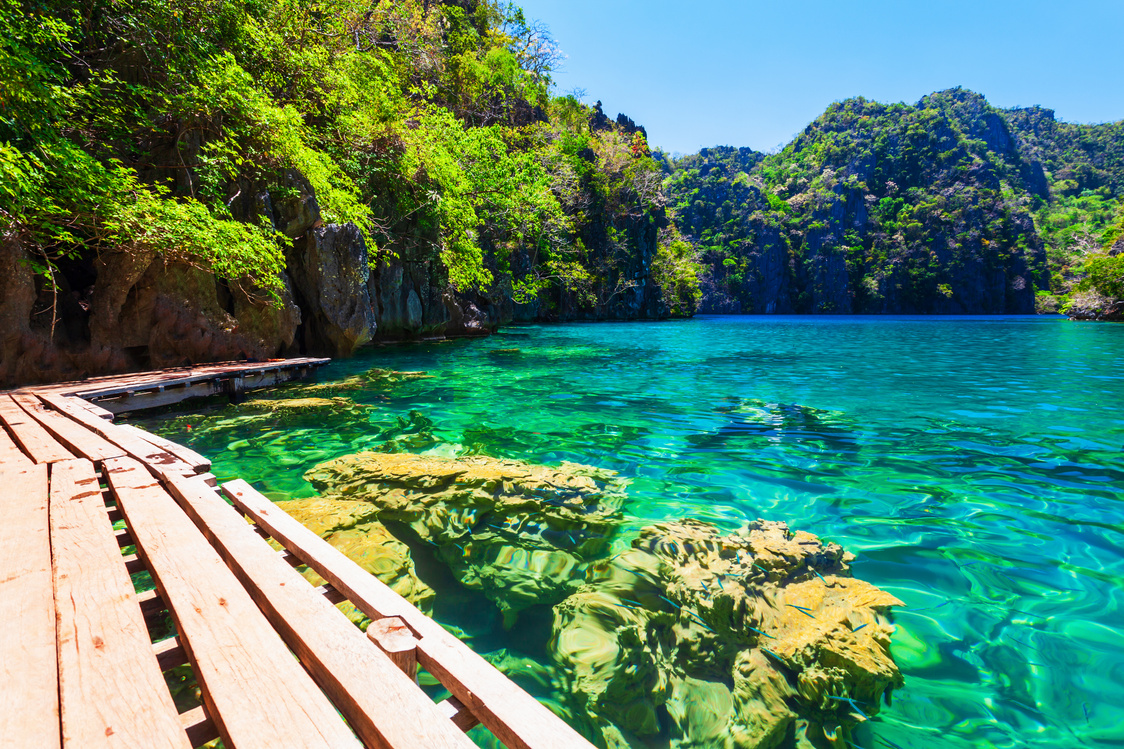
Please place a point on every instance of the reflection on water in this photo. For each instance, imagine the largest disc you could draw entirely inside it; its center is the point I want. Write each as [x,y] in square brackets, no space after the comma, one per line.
[973,465]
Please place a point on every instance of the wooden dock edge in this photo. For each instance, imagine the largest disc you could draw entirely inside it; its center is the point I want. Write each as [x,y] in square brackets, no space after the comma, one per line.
[370,679]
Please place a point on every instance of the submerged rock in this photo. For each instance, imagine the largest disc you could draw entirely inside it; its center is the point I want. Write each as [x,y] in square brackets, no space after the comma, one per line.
[522,533]
[756,639]
[294,405]
[351,527]
[373,379]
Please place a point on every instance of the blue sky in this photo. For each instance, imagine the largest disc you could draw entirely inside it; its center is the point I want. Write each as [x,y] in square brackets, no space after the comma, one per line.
[754,73]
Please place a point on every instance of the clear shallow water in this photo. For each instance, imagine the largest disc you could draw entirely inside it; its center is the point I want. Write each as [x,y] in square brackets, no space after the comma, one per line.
[974,465]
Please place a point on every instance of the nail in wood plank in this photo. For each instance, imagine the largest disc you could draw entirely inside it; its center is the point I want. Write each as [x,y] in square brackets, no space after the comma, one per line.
[111,690]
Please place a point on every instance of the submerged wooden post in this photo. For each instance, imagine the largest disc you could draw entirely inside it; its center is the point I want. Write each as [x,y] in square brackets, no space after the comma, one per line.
[396,640]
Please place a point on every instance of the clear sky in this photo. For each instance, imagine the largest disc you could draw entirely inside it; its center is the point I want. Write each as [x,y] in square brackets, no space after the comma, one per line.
[755,72]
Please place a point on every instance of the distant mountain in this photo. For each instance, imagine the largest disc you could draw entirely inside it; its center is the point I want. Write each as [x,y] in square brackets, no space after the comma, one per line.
[892,208]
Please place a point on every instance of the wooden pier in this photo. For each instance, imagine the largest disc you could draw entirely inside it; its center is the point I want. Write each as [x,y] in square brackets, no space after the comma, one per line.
[89,505]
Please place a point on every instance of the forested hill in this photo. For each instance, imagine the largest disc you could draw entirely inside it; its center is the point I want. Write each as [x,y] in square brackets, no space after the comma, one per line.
[186,180]
[947,206]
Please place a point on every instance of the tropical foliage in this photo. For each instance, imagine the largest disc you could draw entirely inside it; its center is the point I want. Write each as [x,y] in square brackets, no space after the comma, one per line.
[158,126]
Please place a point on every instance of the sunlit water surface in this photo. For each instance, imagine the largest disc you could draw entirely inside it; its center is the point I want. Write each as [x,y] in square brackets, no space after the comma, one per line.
[973,465]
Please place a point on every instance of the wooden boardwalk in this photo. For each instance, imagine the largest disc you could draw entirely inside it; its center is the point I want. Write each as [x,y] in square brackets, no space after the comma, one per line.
[93,511]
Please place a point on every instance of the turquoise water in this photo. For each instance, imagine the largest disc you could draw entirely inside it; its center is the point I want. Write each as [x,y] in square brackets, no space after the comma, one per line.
[975,466]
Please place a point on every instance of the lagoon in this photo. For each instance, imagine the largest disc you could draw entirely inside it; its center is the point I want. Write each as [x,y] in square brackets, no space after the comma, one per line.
[974,466]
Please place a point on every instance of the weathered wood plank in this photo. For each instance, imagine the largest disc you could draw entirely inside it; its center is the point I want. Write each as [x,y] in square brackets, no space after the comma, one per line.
[111,690]
[11,457]
[513,716]
[156,458]
[458,713]
[76,437]
[380,702]
[35,441]
[187,455]
[255,691]
[29,712]
[169,653]
[199,726]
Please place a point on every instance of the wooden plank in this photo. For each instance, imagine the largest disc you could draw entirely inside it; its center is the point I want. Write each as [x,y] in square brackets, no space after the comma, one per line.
[35,441]
[381,703]
[198,376]
[29,711]
[111,690]
[11,457]
[255,691]
[199,726]
[187,455]
[169,653]
[98,411]
[513,716]
[152,456]
[80,440]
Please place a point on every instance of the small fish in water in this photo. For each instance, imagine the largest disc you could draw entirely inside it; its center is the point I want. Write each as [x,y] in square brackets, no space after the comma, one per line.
[856,629]
[571,535]
[928,608]
[755,564]
[817,574]
[850,702]
[700,621]
[626,606]
[770,652]
[673,603]
[703,583]
[763,634]
[802,610]
[719,581]
[1085,707]
[634,603]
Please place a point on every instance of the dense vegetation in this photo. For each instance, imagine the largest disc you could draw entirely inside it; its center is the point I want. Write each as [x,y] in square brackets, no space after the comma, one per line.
[165,127]
[451,186]
[946,206]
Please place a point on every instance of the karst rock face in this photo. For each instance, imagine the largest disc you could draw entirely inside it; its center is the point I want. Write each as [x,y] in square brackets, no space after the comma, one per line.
[754,639]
